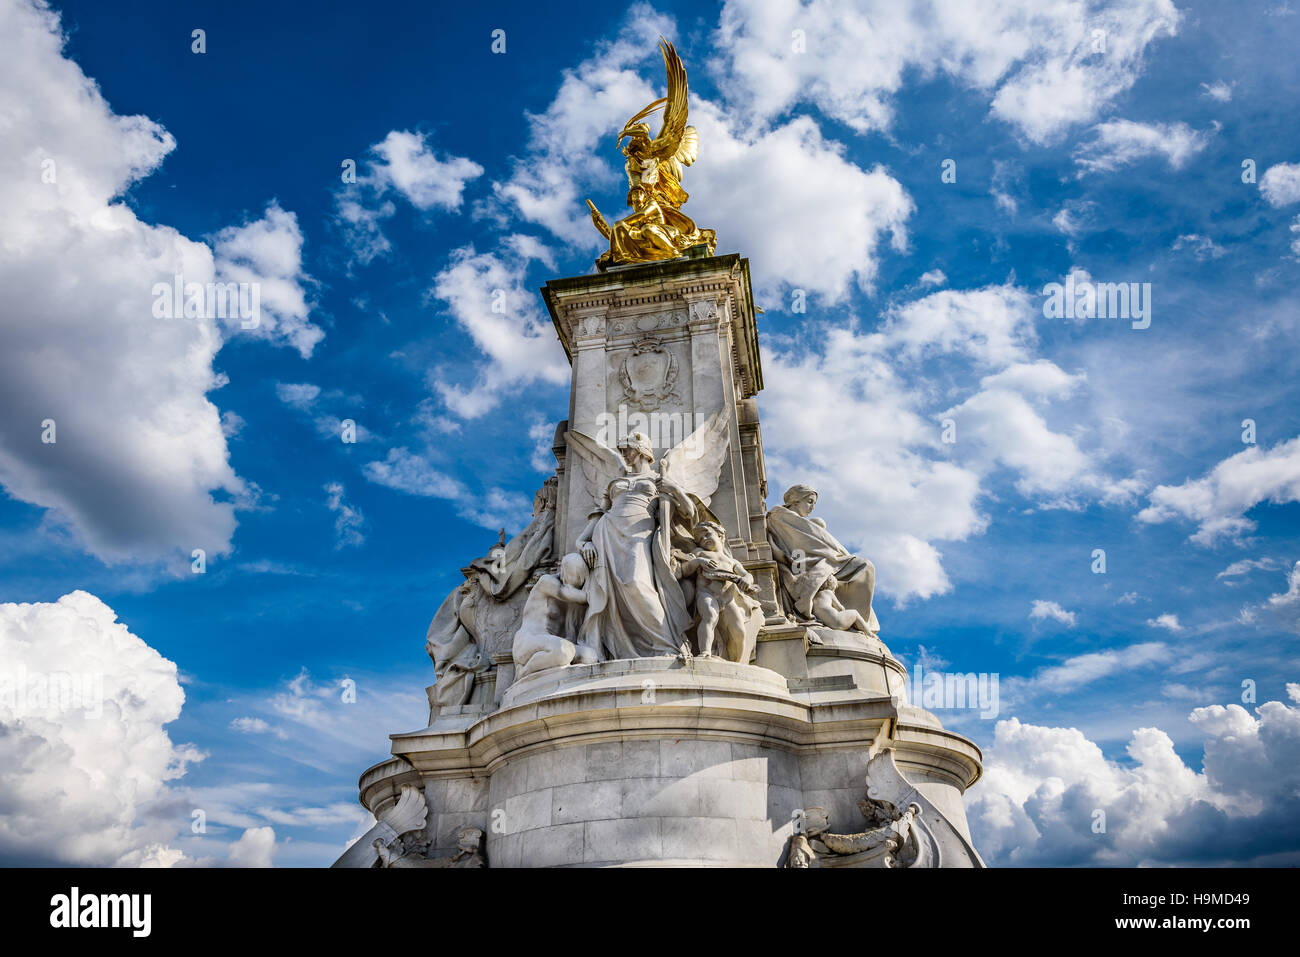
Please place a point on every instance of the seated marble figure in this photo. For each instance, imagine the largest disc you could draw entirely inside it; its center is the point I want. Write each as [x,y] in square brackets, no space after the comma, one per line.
[821,580]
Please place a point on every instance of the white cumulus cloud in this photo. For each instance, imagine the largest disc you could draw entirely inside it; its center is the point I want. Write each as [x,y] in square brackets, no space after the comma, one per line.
[1280,184]
[138,469]
[1218,501]
[1120,142]
[78,770]
[1045,791]
[1051,611]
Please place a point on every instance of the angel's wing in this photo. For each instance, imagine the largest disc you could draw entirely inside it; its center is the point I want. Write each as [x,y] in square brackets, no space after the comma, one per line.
[696,463]
[600,464]
[689,150]
[672,134]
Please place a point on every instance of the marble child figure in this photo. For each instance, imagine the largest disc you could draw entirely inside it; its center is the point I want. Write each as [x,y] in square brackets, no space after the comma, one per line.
[549,615]
[723,590]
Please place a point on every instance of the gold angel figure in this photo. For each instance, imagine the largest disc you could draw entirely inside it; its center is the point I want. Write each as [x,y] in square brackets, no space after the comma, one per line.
[656,228]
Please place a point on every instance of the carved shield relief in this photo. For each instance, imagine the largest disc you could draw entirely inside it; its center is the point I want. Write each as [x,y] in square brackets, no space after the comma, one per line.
[649,375]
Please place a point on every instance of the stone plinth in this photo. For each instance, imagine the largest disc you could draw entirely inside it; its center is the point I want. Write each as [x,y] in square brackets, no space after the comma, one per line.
[659,761]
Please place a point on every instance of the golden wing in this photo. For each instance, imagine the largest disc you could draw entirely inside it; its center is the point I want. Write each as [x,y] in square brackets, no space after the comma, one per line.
[673,132]
[689,151]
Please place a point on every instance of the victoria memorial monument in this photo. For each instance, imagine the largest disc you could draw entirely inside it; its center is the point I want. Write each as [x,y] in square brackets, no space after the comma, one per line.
[661,669]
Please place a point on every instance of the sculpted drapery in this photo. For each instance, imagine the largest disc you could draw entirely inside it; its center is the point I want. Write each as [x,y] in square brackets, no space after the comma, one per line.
[635,606]
[453,636]
[635,603]
[816,571]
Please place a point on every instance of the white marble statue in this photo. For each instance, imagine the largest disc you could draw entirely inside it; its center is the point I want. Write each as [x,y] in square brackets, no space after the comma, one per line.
[635,604]
[551,619]
[821,578]
[723,596]
[455,639]
[469,853]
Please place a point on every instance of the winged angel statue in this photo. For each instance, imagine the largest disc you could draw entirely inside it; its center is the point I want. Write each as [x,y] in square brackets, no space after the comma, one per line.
[656,228]
[636,607]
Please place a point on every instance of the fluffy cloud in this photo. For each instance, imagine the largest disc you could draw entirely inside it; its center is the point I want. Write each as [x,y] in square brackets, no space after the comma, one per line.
[1246,566]
[486,295]
[298,395]
[1286,605]
[1202,247]
[407,165]
[1080,670]
[411,472]
[1044,67]
[1167,621]
[1218,502]
[834,216]
[348,520]
[268,252]
[889,482]
[328,725]
[402,164]
[1044,788]
[831,216]
[1051,611]
[139,468]
[405,471]
[1121,142]
[1219,91]
[1280,184]
[255,848]
[78,767]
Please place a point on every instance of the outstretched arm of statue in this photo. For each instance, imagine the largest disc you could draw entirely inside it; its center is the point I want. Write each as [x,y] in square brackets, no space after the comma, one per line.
[599,220]
[745,579]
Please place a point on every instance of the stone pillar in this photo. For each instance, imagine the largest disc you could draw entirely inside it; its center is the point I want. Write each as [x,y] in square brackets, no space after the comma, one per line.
[587,401]
[659,348]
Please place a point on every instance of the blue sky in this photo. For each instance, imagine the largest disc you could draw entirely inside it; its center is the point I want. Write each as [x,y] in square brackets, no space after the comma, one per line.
[924,302]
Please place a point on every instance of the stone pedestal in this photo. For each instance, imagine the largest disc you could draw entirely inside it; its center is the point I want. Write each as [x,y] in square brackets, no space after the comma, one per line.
[657,761]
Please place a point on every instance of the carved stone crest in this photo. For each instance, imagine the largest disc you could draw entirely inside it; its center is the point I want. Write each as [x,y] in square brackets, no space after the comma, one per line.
[649,375]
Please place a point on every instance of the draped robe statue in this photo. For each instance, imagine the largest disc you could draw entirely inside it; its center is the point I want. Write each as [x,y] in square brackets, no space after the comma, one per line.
[455,639]
[817,572]
[635,604]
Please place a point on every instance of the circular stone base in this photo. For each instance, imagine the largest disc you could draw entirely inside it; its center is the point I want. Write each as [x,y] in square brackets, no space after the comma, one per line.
[660,761]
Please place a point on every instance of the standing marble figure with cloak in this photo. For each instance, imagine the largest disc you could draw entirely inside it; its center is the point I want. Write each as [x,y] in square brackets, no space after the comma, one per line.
[635,605]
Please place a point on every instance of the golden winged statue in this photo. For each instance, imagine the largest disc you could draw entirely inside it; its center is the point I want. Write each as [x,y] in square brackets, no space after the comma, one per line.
[657,228]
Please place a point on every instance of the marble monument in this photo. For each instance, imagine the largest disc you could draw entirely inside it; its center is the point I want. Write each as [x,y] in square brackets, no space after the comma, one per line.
[659,669]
